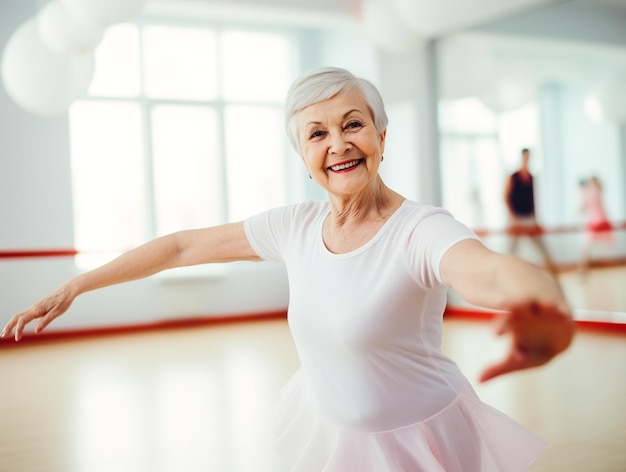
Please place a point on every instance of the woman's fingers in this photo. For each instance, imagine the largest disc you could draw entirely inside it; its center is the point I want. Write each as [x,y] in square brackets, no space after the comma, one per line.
[7,329]
[538,332]
[19,322]
[11,325]
[516,359]
[14,324]
[19,328]
[45,320]
[46,310]
[493,371]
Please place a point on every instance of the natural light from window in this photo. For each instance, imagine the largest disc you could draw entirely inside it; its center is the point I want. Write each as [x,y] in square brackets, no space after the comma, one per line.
[179,63]
[182,128]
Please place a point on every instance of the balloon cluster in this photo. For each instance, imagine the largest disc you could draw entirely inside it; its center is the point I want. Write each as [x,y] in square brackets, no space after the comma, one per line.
[49,60]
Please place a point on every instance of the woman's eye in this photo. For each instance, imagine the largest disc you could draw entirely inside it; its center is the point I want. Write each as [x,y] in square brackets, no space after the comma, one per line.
[354,125]
[316,134]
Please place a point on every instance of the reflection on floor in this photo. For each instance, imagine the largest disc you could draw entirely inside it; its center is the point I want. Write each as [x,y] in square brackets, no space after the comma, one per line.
[201,399]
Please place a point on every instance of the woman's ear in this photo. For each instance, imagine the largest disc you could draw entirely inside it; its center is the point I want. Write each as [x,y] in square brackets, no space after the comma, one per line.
[383,135]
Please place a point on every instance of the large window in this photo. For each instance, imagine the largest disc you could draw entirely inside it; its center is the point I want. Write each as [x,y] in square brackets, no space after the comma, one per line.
[182,128]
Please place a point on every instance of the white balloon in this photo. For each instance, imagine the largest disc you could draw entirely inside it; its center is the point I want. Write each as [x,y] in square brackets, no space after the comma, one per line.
[608,102]
[63,32]
[104,12]
[508,94]
[40,80]
[385,28]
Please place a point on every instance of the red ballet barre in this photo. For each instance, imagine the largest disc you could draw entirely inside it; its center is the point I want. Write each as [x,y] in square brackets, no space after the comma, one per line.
[483,232]
[28,253]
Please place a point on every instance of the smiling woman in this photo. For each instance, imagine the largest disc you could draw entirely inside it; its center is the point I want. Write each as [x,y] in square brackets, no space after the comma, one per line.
[368,275]
[338,137]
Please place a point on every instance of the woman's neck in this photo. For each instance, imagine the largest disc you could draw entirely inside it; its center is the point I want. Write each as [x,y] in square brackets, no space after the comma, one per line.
[374,203]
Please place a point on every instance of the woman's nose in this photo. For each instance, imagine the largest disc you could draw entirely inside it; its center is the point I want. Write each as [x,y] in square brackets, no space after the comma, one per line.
[338,144]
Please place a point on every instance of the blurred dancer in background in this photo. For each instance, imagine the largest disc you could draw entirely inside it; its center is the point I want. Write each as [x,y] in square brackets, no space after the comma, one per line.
[519,196]
[597,225]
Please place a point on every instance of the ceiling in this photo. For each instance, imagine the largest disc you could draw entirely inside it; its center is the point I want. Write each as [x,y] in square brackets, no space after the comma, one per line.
[430,18]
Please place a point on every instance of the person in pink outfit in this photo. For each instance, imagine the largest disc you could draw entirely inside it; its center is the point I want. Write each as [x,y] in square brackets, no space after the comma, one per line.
[368,275]
[598,228]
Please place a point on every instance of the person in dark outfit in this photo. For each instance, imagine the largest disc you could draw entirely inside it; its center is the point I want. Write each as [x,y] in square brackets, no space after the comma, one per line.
[519,196]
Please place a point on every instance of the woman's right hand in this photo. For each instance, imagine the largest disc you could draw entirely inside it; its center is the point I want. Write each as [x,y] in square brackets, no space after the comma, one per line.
[46,310]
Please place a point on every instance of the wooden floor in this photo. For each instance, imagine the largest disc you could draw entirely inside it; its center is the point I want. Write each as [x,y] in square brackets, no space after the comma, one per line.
[201,399]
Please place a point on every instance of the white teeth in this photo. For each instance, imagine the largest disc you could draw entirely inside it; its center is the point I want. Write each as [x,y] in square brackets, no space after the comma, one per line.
[346,165]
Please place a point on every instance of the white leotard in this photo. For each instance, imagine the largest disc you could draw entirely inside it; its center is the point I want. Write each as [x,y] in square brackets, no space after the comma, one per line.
[368,324]
[375,393]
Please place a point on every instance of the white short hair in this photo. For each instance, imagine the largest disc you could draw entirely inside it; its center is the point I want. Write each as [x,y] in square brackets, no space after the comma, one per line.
[322,84]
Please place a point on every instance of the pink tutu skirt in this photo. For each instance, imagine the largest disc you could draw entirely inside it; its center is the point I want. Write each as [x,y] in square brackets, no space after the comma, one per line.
[466,436]
[600,231]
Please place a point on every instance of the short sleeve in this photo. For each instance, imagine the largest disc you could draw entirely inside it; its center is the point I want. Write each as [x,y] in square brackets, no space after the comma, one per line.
[434,234]
[265,233]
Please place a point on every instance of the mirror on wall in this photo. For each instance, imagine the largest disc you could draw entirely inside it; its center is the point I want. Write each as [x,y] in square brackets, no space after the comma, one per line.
[512,86]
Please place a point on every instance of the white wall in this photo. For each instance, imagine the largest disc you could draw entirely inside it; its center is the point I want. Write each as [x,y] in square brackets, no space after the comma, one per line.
[35,199]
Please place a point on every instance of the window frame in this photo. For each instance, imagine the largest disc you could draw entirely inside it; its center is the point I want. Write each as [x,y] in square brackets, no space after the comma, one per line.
[293,190]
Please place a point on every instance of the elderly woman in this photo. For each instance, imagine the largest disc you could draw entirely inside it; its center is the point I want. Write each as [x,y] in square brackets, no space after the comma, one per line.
[368,274]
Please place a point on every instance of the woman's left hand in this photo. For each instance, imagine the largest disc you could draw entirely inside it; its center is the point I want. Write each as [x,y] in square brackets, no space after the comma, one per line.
[538,332]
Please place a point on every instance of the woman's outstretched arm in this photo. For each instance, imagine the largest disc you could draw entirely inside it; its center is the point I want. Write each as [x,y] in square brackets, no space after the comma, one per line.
[224,243]
[536,315]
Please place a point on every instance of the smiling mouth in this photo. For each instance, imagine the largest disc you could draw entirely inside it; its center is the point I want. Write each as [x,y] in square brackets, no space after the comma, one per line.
[345,165]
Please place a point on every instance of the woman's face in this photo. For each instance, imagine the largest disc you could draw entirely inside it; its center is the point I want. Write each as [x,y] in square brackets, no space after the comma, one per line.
[339,143]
